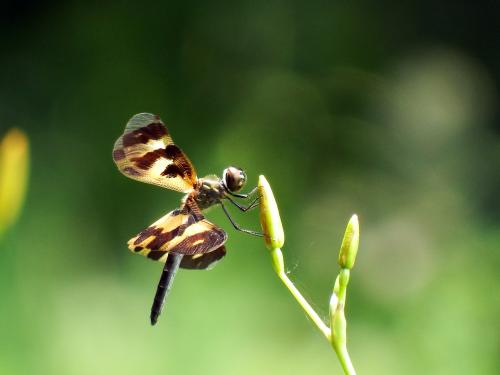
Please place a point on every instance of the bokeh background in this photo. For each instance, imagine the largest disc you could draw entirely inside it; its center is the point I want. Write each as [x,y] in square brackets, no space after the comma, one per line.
[388,110]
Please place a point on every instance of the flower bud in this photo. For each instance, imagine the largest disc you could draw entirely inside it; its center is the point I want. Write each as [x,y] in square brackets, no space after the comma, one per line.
[270,217]
[350,243]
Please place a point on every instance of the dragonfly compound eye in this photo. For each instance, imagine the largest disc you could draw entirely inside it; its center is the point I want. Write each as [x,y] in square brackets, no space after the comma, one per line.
[234,178]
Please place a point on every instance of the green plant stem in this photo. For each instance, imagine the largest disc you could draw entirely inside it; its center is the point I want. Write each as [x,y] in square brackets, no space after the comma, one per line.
[278,259]
[345,360]
[339,322]
[337,334]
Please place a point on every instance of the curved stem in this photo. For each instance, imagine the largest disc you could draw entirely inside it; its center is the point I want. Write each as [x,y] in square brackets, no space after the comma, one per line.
[278,259]
[345,360]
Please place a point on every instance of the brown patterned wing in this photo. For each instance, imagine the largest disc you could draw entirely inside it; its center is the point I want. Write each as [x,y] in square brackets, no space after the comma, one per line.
[146,152]
[203,261]
[184,231]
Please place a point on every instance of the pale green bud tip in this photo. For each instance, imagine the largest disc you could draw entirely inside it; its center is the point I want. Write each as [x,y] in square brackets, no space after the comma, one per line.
[334,300]
[270,217]
[336,287]
[350,243]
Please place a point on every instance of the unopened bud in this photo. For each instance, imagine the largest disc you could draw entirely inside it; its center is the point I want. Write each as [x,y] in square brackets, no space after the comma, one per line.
[270,217]
[350,243]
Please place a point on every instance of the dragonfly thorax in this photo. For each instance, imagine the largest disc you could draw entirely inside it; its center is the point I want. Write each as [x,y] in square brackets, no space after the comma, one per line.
[209,192]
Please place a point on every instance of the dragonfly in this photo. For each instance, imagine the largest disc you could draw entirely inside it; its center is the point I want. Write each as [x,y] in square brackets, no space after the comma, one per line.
[183,238]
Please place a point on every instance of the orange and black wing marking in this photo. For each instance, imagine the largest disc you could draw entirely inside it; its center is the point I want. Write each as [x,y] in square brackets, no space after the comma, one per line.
[203,261]
[146,152]
[183,231]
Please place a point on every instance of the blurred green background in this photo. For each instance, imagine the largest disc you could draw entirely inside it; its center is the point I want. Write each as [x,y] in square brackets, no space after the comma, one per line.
[388,110]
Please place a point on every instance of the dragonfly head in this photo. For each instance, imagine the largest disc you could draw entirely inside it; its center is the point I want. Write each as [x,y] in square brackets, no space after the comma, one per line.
[234,178]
